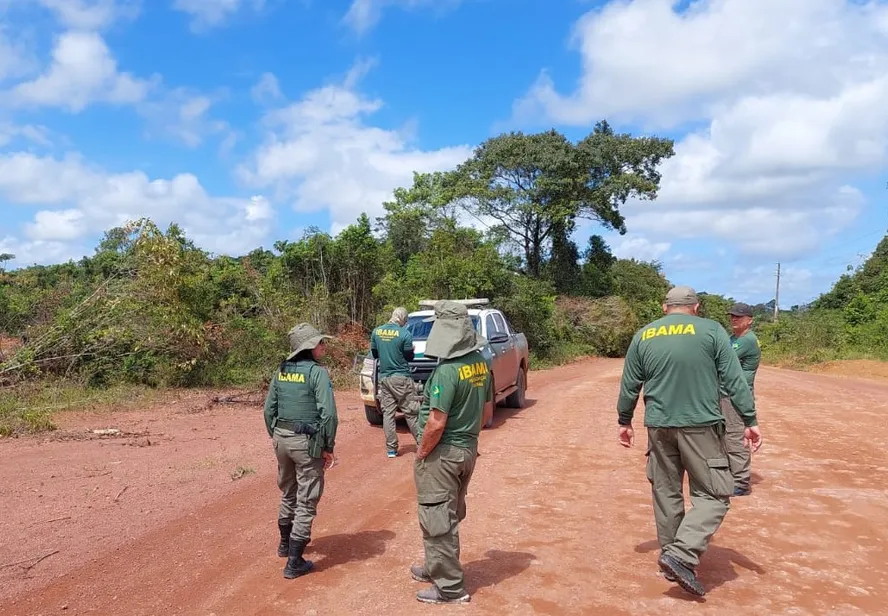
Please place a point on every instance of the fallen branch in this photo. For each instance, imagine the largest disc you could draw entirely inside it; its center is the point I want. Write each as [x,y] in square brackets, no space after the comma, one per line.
[119,494]
[32,565]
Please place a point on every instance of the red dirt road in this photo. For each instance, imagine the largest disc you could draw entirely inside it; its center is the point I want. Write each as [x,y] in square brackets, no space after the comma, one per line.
[559,515]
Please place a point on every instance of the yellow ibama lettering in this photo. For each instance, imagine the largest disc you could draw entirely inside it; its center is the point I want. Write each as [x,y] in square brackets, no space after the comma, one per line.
[680,329]
[291,377]
[471,371]
[388,333]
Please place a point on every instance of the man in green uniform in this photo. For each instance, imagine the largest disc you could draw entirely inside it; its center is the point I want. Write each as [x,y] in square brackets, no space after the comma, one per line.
[392,346]
[681,360]
[457,401]
[748,349]
[301,419]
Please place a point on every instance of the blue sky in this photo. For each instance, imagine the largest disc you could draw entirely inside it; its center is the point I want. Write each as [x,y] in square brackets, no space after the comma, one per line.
[247,121]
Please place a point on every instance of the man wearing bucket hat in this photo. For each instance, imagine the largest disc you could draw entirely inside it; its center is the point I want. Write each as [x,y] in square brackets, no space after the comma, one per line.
[456,402]
[748,349]
[301,419]
[392,346]
[682,360]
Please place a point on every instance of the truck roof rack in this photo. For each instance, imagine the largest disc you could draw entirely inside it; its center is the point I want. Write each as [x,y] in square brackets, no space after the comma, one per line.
[469,303]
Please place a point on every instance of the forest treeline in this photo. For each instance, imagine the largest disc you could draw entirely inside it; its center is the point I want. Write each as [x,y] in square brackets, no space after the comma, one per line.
[151,309]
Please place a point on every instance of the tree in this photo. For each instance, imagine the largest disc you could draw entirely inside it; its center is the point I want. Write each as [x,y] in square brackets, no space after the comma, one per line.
[563,267]
[596,278]
[642,284]
[537,185]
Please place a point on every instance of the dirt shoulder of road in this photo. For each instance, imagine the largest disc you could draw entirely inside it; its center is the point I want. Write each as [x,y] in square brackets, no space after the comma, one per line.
[852,368]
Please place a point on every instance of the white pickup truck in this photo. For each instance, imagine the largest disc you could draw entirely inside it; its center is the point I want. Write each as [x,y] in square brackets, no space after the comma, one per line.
[506,350]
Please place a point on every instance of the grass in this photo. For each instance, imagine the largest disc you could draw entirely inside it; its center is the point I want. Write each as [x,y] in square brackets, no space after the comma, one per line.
[29,408]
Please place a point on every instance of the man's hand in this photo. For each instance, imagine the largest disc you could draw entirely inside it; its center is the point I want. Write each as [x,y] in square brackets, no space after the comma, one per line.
[329,460]
[752,438]
[627,436]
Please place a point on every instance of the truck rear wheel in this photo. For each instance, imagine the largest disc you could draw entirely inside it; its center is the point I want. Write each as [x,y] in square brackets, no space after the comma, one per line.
[373,415]
[517,398]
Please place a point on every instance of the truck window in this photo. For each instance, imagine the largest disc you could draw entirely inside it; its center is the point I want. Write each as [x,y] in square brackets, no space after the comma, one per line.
[500,323]
[419,328]
[493,327]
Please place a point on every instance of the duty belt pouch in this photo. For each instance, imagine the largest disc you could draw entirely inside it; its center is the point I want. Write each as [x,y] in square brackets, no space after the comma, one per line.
[315,444]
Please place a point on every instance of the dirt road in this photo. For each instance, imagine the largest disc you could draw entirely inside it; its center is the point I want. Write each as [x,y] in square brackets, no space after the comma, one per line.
[151,521]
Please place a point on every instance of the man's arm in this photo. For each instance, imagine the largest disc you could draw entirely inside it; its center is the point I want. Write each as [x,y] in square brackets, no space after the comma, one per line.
[442,386]
[431,435]
[730,374]
[630,384]
[407,345]
[374,349]
[329,421]
[271,404]
[487,414]
[750,357]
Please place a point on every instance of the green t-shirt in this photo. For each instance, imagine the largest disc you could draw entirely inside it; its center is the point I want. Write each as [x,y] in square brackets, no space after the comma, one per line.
[390,342]
[749,352]
[682,360]
[459,388]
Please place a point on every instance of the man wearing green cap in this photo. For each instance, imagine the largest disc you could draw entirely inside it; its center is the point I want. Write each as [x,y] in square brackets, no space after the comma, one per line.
[392,346]
[749,352]
[458,399]
[682,360]
[301,419]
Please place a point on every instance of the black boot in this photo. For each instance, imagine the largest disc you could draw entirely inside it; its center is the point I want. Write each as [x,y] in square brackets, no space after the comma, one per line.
[296,565]
[285,527]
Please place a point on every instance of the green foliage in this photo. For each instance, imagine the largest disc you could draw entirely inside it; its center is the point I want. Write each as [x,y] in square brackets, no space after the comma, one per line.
[849,321]
[535,186]
[531,309]
[643,285]
[715,307]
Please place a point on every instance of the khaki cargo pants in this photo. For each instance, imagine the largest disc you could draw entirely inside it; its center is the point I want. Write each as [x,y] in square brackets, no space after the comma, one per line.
[397,392]
[738,455]
[301,480]
[699,451]
[442,481]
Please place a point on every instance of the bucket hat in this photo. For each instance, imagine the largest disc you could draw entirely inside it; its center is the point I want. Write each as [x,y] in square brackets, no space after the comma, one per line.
[452,333]
[304,337]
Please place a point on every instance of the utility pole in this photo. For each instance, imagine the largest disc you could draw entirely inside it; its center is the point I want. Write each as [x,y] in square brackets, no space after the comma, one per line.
[777,295]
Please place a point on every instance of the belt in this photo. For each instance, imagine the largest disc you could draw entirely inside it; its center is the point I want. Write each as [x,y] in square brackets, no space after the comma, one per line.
[298,427]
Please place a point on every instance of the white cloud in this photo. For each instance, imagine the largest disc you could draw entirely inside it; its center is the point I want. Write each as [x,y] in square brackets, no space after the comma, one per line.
[91,14]
[82,200]
[16,59]
[362,15]
[642,59]
[208,14]
[183,115]
[83,71]
[38,251]
[10,132]
[633,246]
[791,95]
[321,154]
[58,225]
[266,89]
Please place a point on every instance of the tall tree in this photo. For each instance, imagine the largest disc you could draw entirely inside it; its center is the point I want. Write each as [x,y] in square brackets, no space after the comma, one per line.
[534,185]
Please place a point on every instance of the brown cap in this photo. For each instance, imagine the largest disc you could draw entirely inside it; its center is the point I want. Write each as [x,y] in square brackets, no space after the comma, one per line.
[681,296]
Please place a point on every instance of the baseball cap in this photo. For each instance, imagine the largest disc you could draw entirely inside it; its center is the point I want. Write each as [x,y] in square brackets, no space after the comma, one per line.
[740,310]
[681,296]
